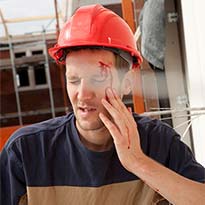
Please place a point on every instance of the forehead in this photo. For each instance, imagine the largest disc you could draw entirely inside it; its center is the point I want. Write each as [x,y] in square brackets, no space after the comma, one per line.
[89,60]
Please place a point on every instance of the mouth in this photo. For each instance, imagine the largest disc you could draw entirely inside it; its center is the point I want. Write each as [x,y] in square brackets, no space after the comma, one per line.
[86,110]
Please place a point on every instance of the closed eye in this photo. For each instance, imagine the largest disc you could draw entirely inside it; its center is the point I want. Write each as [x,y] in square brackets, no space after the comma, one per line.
[74,81]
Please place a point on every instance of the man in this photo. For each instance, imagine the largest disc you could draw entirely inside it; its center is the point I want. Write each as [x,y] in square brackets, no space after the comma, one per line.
[101,153]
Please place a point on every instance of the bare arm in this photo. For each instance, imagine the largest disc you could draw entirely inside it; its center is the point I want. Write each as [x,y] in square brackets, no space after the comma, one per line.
[175,188]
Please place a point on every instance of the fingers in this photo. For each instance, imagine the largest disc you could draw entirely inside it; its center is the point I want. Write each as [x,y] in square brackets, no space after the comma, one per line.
[122,118]
[122,128]
[131,124]
[119,114]
[119,140]
[116,102]
[119,120]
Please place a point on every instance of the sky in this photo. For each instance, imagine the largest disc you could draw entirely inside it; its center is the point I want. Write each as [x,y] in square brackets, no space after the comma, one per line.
[27,8]
[30,8]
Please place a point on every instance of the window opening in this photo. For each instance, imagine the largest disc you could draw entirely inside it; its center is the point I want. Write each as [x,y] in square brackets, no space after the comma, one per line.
[20,54]
[40,74]
[22,77]
[38,52]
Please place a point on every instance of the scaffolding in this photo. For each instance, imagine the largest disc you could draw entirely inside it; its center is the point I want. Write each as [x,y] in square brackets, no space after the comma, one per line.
[26,60]
[5,64]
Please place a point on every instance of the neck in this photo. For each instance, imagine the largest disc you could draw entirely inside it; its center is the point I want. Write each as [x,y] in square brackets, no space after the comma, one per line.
[98,140]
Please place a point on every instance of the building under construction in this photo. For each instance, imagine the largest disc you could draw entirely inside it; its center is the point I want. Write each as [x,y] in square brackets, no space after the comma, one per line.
[31,90]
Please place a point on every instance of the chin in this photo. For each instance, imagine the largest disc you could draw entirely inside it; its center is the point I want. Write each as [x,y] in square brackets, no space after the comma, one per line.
[85,125]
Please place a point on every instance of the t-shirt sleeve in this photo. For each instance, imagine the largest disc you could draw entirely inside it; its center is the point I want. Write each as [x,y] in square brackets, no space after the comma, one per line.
[12,186]
[183,161]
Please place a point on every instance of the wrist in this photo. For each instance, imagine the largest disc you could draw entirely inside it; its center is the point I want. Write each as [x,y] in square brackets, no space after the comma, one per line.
[141,166]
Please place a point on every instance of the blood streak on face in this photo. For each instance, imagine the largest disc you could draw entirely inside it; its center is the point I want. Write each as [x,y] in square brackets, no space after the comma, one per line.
[106,71]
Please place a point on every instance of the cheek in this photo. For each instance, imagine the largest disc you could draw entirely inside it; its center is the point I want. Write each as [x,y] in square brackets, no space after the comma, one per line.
[100,92]
[72,93]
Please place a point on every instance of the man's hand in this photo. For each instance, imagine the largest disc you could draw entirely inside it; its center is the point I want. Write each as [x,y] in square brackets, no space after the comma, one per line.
[123,129]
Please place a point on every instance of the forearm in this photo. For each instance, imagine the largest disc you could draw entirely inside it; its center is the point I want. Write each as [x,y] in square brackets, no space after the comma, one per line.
[175,188]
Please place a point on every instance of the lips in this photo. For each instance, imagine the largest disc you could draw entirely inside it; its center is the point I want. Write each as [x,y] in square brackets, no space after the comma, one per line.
[86,110]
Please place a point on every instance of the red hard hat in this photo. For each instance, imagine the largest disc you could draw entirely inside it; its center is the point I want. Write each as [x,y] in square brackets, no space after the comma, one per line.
[96,26]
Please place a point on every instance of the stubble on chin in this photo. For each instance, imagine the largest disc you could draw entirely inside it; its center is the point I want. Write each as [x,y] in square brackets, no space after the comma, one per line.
[89,125]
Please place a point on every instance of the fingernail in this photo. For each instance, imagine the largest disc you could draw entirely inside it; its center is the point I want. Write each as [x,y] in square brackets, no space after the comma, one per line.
[114,91]
[109,91]
[104,101]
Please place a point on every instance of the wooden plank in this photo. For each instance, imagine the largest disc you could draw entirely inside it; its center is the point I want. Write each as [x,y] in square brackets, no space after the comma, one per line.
[26,60]
[31,18]
[4,24]
[127,13]
[138,99]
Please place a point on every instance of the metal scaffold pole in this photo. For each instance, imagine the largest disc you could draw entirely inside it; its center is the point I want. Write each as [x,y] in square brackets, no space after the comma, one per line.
[48,75]
[14,79]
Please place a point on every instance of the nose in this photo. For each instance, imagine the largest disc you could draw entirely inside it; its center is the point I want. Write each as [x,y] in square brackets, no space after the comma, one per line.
[85,91]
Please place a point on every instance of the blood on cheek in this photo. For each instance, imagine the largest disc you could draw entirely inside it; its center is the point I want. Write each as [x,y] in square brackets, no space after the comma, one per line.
[105,71]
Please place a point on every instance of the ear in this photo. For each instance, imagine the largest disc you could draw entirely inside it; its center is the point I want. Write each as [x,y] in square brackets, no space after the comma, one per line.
[126,85]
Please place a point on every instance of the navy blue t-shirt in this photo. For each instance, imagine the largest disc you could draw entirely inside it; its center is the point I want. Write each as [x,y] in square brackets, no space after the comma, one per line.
[46,163]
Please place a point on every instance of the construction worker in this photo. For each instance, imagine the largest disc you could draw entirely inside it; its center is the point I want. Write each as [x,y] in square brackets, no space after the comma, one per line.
[100,153]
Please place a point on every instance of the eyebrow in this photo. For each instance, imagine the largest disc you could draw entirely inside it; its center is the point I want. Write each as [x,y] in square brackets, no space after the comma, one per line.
[71,77]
